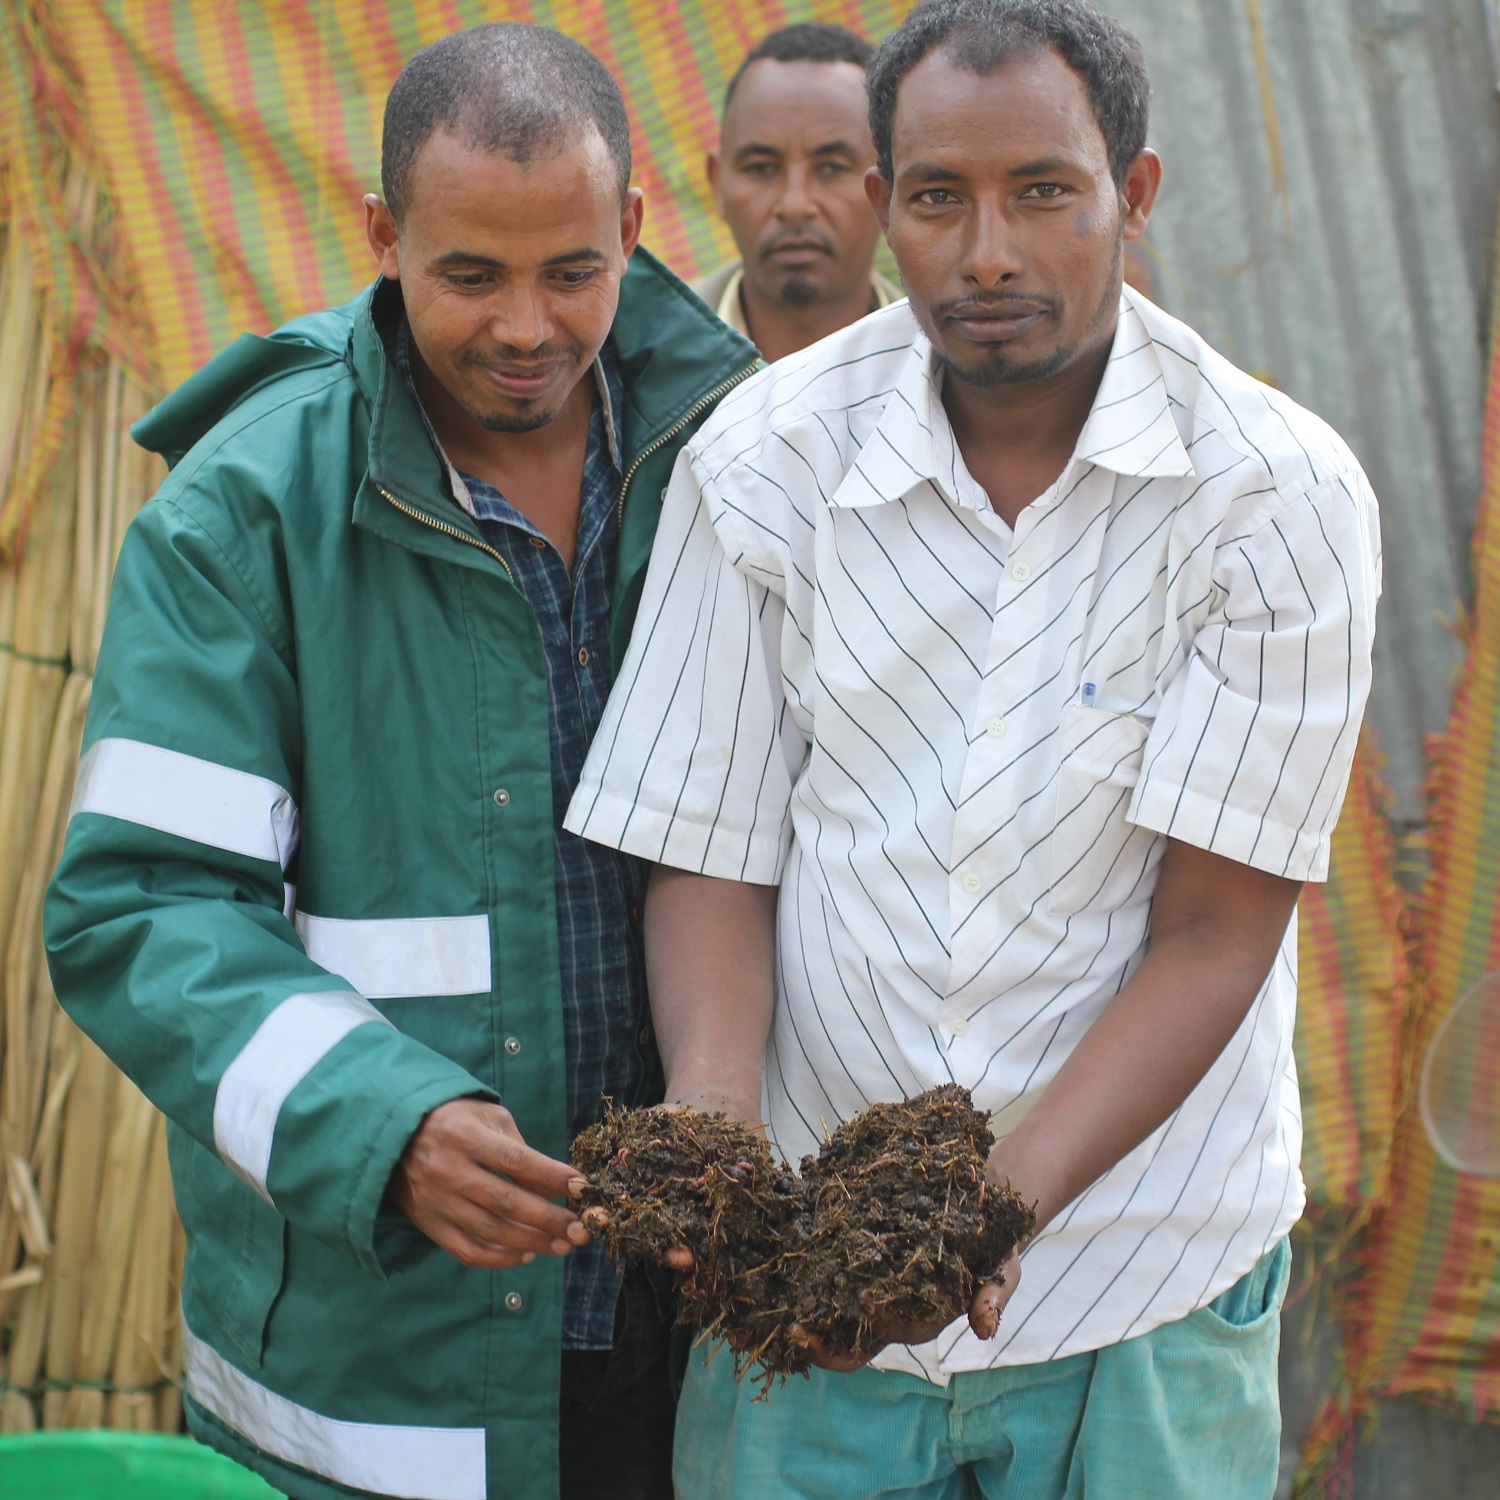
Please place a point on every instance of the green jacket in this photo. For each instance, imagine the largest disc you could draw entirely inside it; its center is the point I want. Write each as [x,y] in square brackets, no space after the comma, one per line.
[307,890]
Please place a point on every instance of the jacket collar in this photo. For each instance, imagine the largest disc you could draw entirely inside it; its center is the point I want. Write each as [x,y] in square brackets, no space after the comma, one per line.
[402,459]
[1130,429]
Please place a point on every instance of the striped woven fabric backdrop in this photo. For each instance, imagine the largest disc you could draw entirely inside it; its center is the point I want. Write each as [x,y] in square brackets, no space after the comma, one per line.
[234,142]
[240,138]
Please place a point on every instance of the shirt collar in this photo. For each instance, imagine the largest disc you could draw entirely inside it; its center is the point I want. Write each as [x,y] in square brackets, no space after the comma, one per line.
[607,382]
[1130,429]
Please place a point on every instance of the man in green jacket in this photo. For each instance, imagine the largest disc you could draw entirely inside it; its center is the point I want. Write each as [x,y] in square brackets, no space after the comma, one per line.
[316,898]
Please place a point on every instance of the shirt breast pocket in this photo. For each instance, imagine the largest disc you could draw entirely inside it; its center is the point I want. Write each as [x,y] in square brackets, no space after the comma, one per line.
[1100,861]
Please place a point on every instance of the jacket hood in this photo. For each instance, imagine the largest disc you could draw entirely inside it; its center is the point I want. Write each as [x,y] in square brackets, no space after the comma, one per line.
[233,375]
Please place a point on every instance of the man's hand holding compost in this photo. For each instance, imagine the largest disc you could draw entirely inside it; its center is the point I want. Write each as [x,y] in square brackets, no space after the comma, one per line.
[471,1184]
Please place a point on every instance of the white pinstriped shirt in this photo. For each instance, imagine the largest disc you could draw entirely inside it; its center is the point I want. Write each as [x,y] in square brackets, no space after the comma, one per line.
[957,748]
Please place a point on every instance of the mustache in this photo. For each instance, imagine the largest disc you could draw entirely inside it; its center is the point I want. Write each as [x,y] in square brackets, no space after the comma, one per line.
[803,234]
[1014,303]
[522,359]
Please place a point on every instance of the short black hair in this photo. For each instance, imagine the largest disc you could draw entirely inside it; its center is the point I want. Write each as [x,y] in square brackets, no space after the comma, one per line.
[807,41]
[980,35]
[506,87]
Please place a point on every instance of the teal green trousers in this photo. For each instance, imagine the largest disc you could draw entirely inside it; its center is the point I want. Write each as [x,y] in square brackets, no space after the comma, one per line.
[1189,1411]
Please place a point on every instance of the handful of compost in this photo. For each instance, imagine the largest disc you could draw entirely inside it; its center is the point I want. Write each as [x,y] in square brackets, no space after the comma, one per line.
[885,1237]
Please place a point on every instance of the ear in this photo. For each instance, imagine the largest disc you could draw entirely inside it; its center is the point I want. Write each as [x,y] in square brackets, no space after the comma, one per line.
[632,214]
[1138,194]
[381,232]
[711,165]
[878,191]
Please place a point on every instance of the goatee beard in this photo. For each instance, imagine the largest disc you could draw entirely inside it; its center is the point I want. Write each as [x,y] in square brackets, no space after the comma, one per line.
[992,373]
[799,290]
[520,422]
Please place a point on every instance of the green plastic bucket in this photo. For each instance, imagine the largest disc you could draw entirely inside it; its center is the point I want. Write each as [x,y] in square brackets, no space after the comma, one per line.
[121,1466]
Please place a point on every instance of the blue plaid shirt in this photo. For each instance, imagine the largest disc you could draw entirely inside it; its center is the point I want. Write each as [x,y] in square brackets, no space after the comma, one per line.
[606,1024]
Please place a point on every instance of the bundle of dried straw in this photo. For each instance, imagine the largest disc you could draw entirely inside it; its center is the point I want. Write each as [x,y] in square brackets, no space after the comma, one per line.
[90,1247]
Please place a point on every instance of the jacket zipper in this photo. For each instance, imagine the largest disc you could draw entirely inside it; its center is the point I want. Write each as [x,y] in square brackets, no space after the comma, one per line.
[706,401]
[676,427]
[447,530]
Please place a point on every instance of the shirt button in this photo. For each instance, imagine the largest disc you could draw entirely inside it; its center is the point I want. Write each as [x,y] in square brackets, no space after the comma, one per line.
[513,1045]
[958,1026]
[583,656]
[514,1302]
[502,798]
[996,727]
[972,882]
[537,541]
[645,1035]
[1020,571]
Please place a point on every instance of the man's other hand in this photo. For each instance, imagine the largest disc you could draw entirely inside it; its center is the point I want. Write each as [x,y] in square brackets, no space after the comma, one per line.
[984,1310]
[471,1184]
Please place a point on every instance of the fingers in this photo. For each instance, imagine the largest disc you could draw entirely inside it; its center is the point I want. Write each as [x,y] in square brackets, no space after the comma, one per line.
[887,1332]
[842,1364]
[596,1221]
[492,1140]
[990,1297]
[506,1230]
[449,1183]
[506,1201]
[472,1252]
[984,1310]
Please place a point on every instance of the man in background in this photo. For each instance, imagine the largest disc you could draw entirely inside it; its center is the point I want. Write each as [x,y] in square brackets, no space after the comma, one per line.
[788,179]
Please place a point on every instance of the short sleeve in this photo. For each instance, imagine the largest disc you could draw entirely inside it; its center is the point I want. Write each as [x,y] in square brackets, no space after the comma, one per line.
[695,759]
[1250,754]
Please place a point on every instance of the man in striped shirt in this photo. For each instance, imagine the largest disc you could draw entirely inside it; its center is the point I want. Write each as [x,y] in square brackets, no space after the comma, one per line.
[1019,642]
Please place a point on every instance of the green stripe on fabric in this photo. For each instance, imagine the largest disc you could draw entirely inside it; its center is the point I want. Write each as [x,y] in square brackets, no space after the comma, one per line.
[30,657]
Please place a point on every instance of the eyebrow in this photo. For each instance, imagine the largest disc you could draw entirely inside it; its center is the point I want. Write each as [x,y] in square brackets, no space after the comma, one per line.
[926,171]
[828,148]
[1042,166]
[586,254]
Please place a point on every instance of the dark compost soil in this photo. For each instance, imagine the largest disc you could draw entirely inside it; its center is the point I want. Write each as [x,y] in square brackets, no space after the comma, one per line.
[889,1230]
